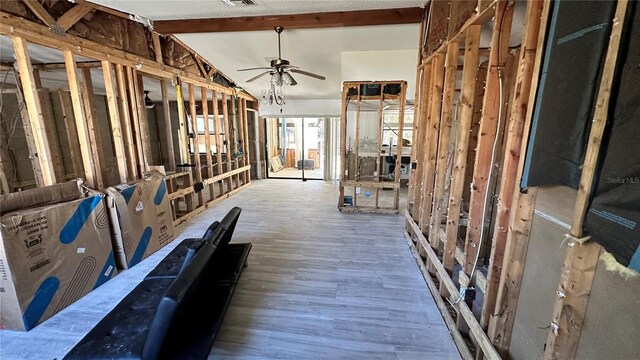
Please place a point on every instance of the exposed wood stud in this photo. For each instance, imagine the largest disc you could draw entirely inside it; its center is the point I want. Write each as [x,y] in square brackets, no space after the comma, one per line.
[207,137]
[168,126]
[241,119]
[228,140]
[51,132]
[463,310]
[71,132]
[518,119]
[488,131]
[31,144]
[157,48]
[465,118]
[356,145]
[379,145]
[114,117]
[433,126]
[218,130]
[81,124]
[343,143]
[182,124]
[125,123]
[425,96]
[235,136]
[135,120]
[44,171]
[581,260]
[446,120]
[245,122]
[196,143]
[138,86]
[398,170]
[92,127]
[12,25]
[502,319]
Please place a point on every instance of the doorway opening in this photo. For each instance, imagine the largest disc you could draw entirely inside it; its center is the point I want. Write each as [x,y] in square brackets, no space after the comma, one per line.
[302,148]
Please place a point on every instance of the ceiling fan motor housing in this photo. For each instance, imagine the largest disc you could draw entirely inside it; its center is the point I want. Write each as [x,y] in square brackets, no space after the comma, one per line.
[279,62]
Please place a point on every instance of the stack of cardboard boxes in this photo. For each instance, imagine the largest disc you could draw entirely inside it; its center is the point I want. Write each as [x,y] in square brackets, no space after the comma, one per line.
[60,242]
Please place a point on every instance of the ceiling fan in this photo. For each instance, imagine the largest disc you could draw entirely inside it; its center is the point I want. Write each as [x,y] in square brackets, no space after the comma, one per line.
[281,69]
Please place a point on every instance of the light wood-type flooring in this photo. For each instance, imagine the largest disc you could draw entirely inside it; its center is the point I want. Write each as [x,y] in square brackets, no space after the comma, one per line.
[320,285]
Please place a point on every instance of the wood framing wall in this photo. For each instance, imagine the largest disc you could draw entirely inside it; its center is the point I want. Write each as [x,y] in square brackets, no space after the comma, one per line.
[352,173]
[109,139]
[462,139]
[468,222]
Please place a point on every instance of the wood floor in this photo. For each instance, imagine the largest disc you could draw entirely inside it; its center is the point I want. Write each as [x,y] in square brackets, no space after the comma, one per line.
[320,285]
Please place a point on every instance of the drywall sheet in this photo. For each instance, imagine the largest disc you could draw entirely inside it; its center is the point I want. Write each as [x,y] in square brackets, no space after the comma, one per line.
[614,214]
[577,40]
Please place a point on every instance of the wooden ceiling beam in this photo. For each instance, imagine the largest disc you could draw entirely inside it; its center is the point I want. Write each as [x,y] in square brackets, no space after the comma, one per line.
[293,21]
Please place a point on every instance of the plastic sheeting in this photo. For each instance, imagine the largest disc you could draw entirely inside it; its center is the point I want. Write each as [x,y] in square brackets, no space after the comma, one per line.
[575,49]
[614,214]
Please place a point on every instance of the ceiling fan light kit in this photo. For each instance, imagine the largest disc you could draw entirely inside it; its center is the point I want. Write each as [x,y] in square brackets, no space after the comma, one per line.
[280,71]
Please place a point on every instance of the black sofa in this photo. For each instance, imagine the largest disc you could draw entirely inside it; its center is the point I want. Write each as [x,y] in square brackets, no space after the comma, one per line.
[177,310]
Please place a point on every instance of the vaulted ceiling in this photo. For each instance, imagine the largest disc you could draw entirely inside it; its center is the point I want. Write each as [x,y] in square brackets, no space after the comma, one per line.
[387,52]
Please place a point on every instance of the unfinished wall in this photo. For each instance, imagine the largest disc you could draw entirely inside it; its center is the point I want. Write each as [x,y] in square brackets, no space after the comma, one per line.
[609,322]
[553,213]
[13,142]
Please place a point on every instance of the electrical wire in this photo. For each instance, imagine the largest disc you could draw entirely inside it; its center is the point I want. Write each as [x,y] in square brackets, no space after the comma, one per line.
[493,152]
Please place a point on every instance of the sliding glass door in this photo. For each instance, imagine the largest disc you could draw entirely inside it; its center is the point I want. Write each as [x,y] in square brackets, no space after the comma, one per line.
[296,148]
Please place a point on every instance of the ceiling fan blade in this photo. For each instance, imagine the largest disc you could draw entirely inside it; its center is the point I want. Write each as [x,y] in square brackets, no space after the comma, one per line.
[298,71]
[289,67]
[255,68]
[258,76]
[293,81]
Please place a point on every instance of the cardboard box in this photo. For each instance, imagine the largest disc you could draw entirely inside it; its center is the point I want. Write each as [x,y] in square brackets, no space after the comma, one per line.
[50,256]
[140,217]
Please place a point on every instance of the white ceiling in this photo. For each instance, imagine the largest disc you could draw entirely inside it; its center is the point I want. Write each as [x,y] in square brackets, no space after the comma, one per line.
[321,51]
[193,9]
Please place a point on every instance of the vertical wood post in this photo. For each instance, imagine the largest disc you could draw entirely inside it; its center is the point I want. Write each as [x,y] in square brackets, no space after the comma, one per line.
[343,144]
[71,132]
[40,151]
[421,141]
[502,319]
[241,119]
[81,124]
[118,143]
[218,130]
[491,107]
[92,126]
[581,260]
[138,85]
[227,138]
[135,120]
[402,103]
[518,118]
[196,143]
[451,69]
[465,118]
[125,123]
[207,137]
[433,125]
[247,157]
[168,126]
